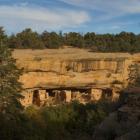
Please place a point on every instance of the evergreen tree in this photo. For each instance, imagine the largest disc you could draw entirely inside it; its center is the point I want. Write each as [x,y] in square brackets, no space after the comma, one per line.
[28,39]
[52,40]
[74,39]
[3,36]
[14,42]
[9,85]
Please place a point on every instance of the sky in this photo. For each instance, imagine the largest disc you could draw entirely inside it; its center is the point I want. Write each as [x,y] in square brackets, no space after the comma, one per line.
[100,16]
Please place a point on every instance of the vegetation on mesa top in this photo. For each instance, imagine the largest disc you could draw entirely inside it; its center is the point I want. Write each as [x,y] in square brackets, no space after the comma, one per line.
[123,42]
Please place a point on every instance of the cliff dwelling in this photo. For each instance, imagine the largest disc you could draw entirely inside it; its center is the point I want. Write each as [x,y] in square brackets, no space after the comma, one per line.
[36,98]
[56,96]
[65,75]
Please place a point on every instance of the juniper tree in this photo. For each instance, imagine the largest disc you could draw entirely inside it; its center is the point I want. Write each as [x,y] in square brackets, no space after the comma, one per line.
[9,85]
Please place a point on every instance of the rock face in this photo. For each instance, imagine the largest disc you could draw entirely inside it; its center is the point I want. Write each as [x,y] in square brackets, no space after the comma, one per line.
[71,71]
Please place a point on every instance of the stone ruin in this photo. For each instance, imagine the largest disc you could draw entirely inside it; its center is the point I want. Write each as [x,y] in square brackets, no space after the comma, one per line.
[58,76]
[42,97]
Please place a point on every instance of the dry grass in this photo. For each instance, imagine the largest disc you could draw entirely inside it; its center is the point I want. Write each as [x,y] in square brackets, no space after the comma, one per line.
[67,53]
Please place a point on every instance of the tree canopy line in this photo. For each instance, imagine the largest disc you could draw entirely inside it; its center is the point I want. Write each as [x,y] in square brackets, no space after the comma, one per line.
[28,39]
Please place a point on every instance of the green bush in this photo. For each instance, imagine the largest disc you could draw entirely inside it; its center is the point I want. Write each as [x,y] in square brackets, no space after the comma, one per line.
[62,122]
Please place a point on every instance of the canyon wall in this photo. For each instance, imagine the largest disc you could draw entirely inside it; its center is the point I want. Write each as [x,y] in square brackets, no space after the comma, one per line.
[70,71]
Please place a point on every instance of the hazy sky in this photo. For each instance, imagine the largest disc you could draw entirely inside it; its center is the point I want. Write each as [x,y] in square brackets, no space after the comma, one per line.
[100,16]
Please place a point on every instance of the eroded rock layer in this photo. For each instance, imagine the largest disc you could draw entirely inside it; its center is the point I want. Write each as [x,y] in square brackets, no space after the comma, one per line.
[68,70]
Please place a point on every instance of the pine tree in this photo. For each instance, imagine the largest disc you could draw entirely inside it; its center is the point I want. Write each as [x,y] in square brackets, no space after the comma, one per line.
[9,85]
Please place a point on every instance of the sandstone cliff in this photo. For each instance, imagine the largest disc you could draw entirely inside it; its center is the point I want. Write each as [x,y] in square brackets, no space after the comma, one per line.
[73,69]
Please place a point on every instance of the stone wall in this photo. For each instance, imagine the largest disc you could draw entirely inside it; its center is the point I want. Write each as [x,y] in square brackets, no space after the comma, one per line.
[49,97]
